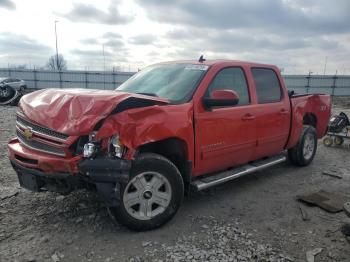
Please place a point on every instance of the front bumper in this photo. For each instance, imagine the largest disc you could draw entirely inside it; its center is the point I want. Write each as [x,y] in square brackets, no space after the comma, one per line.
[43,172]
[45,162]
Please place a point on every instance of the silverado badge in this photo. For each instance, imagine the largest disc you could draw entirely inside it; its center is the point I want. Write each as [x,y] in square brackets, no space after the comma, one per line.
[28,133]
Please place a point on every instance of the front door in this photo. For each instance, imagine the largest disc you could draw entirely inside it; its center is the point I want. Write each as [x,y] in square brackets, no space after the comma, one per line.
[226,136]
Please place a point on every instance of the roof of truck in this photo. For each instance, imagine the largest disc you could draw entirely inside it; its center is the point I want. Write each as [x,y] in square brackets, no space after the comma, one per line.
[219,61]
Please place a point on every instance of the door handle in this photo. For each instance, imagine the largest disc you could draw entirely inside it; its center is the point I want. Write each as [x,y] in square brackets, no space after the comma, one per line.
[248,117]
[284,112]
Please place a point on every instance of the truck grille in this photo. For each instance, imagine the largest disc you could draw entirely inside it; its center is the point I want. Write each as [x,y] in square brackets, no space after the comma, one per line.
[41,138]
[40,129]
[36,145]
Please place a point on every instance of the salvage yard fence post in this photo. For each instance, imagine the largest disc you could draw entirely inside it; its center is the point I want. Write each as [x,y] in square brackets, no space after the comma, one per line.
[334,84]
[308,83]
[113,75]
[35,79]
[86,79]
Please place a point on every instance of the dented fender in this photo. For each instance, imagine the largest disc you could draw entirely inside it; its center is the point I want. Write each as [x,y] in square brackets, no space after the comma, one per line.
[140,126]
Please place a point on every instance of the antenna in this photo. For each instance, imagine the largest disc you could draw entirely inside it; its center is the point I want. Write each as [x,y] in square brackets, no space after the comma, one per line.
[201,59]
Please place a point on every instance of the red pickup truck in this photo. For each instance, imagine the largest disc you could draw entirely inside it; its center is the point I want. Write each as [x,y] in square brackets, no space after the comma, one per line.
[171,128]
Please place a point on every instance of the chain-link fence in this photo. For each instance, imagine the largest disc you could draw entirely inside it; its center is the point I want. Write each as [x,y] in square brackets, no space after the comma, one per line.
[37,79]
[313,84]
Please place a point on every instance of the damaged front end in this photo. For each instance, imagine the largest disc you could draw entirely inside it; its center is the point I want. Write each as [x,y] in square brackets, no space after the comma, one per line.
[103,165]
[62,144]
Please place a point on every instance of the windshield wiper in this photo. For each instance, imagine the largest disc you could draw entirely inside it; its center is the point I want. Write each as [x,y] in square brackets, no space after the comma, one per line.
[147,94]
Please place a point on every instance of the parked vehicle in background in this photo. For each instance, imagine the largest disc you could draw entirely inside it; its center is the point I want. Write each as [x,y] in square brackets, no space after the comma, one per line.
[171,128]
[11,89]
[15,83]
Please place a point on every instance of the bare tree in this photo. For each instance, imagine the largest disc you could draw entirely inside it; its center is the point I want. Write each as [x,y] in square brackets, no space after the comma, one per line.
[54,64]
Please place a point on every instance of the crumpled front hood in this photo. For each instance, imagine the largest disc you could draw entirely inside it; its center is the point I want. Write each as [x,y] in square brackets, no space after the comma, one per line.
[77,111]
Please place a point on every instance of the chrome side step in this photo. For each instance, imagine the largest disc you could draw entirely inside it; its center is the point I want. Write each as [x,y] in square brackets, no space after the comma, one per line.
[237,172]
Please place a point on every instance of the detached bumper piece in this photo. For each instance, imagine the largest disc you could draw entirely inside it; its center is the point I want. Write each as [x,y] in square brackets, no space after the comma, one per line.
[107,175]
[106,170]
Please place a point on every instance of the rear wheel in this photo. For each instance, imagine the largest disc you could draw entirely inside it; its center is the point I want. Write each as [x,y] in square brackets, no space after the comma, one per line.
[153,194]
[304,152]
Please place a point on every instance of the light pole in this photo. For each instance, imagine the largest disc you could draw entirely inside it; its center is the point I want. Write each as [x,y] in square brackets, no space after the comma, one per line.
[56,47]
[325,65]
[104,67]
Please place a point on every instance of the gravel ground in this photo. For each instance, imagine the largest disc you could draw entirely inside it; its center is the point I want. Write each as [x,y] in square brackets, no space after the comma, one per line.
[254,218]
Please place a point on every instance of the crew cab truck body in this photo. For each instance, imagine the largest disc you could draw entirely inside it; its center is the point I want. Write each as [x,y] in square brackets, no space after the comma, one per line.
[170,128]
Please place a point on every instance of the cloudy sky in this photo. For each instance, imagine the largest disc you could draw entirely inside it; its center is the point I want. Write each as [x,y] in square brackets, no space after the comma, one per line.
[297,35]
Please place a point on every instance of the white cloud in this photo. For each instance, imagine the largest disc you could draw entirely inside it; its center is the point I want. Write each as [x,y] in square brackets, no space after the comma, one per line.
[294,34]
[8,4]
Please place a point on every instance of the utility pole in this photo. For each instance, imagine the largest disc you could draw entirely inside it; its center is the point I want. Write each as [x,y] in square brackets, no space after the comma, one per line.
[325,65]
[56,47]
[104,67]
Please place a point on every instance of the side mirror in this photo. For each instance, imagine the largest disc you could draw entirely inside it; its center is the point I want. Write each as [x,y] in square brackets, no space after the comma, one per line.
[223,97]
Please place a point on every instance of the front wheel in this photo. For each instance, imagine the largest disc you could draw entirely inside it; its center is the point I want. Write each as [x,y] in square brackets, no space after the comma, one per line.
[153,194]
[328,141]
[304,152]
[338,140]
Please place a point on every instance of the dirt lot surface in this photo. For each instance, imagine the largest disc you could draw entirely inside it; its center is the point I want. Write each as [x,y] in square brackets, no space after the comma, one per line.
[254,218]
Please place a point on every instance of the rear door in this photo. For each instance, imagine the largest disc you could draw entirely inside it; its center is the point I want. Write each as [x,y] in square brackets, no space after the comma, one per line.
[225,136]
[273,114]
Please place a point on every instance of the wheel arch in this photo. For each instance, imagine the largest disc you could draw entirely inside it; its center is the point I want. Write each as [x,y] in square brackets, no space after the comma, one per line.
[310,119]
[174,149]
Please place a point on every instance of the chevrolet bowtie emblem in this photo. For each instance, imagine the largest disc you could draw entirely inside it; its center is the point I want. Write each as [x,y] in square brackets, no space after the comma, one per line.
[28,133]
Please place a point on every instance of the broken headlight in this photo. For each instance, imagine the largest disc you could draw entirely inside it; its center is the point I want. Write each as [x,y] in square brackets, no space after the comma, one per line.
[116,147]
[90,150]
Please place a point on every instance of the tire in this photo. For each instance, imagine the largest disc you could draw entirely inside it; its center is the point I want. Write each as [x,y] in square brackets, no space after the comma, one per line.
[338,140]
[136,196]
[15,101]
[304,152]
[328,141]
[8,92]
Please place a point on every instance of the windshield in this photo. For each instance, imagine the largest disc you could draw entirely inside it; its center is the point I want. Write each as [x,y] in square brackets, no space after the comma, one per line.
[175,82]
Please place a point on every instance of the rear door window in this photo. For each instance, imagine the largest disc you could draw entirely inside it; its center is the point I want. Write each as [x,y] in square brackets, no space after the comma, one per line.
[267,85]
